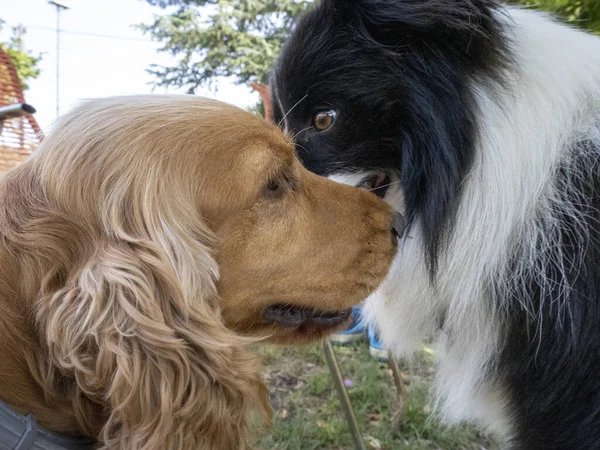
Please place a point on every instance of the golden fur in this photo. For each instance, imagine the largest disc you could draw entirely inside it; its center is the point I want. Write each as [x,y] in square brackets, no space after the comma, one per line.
[139,246]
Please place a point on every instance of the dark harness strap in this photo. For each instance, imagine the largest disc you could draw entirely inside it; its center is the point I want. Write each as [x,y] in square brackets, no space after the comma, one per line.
[29,435]
[19,432]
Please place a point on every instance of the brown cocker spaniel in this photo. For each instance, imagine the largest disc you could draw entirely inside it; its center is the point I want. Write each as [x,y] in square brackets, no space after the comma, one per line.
[144,244]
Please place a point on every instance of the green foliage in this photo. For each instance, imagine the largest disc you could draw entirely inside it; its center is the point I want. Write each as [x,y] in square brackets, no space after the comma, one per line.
[582,13]
[227,38]
[308,414]
[26,63]
[242,38]
[260,108]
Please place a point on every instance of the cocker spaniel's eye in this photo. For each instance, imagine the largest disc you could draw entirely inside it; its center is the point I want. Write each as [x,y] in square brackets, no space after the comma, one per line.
[323,120]
[273,189]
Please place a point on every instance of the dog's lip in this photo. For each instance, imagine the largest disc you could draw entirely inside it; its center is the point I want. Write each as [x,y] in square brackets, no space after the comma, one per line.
[378,183]
[290,316]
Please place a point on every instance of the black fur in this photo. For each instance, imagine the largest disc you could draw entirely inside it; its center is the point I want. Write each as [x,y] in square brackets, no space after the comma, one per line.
[551,361]
[397,73]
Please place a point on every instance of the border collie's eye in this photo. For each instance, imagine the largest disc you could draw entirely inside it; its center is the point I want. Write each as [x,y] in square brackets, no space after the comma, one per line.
[273,189]
[324,119]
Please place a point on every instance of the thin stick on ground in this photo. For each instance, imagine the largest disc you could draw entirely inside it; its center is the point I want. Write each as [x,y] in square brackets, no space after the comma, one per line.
[400,385]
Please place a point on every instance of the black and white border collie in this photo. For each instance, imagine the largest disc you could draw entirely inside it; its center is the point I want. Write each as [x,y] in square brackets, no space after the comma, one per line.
[481,123]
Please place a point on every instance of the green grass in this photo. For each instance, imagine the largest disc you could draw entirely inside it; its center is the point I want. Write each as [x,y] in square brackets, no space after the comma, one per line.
[308,415]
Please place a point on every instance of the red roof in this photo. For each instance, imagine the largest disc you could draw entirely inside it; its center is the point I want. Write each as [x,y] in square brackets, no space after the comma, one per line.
[19,136]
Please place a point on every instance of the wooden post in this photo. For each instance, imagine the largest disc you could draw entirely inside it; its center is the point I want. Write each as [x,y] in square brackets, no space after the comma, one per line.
[265,95]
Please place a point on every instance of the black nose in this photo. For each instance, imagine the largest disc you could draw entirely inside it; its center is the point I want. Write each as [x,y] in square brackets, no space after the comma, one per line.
[398,226]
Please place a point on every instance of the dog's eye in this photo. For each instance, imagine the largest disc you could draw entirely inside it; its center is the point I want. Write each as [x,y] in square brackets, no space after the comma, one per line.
[273,189]
[324,119]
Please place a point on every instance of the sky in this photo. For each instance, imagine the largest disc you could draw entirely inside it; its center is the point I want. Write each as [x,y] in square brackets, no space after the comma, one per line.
[101,53]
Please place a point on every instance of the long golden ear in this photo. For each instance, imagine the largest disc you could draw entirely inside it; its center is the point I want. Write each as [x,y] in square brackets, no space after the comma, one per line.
[137,325]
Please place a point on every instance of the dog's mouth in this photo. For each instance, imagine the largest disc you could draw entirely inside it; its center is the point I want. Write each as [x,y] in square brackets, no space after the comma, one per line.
[289,316]
[378,184]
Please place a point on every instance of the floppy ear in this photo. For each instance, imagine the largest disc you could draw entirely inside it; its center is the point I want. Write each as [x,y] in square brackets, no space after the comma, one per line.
[463,25]
[137,326]
[424,14]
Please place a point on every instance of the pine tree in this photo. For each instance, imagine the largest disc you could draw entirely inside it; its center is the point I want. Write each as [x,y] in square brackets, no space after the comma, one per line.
[242,38]
[228,38]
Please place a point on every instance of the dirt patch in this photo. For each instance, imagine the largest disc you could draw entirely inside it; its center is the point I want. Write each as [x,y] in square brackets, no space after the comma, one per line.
[281,384]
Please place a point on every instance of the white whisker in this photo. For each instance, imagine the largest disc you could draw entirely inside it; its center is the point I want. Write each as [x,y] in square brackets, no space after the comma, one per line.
[301,131]
[290,110]
[384,185]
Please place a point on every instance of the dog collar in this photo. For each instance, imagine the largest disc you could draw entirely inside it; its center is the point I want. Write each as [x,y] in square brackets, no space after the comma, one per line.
[19,432]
